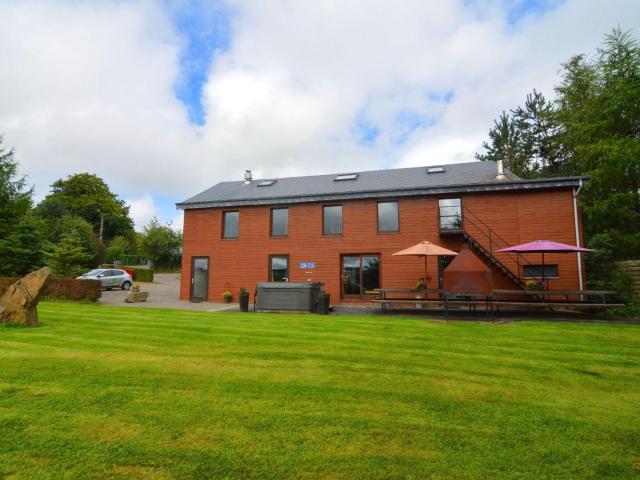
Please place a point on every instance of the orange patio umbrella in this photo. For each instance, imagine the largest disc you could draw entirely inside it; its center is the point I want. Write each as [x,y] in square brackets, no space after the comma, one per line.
[426,249]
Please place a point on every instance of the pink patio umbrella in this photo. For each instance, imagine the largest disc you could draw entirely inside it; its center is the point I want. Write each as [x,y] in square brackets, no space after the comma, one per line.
[545,246]
[426,249]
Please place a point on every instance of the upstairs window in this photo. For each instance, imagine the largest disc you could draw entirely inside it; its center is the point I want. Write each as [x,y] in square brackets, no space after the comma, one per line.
[279,222]
[332,220]
[388,220]
[450,214]
[230,224]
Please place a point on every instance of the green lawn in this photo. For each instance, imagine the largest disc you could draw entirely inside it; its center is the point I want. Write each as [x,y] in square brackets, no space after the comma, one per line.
[106,392]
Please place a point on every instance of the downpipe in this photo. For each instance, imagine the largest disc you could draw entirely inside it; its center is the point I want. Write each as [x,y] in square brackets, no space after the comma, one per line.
[576,193]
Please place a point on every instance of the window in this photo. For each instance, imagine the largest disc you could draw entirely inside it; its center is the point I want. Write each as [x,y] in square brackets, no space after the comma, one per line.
[266,183]
[279,222]
[388,217]
[450,214]
[230,224]
[279,268]
[360,275]
[540,271]
[435,170]
[332,220]
[345,176]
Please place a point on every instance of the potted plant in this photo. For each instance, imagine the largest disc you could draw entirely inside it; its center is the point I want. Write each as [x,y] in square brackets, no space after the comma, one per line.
[244,300]
[227,297]
[534,285]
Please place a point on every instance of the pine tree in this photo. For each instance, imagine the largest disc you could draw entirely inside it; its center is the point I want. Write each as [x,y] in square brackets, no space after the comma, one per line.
[22,251]
[15,197]
[68,258]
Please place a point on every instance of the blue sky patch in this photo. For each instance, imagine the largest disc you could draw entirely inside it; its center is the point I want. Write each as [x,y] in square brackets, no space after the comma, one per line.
[206,28]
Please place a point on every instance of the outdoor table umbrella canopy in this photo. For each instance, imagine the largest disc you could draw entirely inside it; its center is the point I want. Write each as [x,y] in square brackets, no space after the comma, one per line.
[426,249]
[545,246]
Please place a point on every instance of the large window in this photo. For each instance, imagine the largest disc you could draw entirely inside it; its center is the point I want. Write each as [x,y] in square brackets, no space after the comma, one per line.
[388,217]
[230,224]
[450,214]
[279,222]
[279,268]
[332,220]
[540,271]
[360,274]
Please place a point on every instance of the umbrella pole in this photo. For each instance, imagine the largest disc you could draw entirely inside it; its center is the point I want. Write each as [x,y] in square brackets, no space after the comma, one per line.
[426,285]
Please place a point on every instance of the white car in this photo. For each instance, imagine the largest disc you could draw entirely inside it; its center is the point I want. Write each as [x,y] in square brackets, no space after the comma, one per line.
[109,277]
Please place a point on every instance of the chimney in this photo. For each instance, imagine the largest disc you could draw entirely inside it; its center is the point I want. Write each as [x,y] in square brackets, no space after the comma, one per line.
[501,177]
[247,177]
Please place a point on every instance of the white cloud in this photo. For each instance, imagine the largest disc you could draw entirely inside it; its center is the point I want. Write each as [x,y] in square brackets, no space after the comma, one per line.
[91,86]
[142,210]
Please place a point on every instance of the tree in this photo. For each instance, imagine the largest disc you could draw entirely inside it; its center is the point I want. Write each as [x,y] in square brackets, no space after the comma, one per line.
[89,197]
[506,144]
[15,197]
[600,113]
[22,250]
[118,248]
[68,259]
[58,227]
[161,243]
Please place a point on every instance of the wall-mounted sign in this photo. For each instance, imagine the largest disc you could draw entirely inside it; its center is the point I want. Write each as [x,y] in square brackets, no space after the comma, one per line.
[303,265]
[311,264]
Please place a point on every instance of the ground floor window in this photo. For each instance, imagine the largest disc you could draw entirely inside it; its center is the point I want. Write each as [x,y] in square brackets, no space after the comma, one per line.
[540,271]
[360,274]
[279,268]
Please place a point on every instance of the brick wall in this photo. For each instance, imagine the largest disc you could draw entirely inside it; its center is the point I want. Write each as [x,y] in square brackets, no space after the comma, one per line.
[518,217]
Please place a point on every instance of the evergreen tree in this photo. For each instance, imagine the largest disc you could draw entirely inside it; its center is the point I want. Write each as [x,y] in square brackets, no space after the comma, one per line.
[22,251]
[68,258]
[506,143]
[15,197]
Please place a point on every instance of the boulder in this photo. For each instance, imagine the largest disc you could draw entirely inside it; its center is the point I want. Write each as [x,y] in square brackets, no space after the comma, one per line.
[134,297]
[19,302]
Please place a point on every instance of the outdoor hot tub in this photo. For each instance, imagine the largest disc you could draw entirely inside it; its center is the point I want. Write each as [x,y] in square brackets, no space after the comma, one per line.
[300,296]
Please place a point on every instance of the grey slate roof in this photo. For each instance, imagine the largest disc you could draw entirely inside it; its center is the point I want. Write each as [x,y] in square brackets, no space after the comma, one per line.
[458,177]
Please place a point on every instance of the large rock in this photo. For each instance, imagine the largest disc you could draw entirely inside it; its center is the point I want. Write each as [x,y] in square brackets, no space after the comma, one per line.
[136,296]
[19,302]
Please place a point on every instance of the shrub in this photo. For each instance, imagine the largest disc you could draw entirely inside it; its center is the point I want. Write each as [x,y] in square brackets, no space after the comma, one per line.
[140,274]
[64,288]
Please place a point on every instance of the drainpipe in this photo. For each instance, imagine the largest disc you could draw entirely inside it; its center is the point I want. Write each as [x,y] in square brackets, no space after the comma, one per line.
[576,192]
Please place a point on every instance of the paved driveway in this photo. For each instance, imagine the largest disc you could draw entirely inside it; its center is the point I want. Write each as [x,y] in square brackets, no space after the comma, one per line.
[163,293]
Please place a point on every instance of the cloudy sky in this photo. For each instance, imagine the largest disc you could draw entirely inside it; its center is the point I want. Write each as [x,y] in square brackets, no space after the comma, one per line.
[166,98]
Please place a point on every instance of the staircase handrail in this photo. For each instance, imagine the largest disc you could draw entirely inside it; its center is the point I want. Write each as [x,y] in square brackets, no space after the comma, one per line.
[492,235]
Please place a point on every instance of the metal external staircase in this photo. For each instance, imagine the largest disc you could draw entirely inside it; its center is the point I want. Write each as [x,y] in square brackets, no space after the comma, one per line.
[485,241]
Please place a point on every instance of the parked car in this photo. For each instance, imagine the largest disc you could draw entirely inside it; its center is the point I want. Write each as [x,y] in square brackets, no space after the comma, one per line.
[109,277]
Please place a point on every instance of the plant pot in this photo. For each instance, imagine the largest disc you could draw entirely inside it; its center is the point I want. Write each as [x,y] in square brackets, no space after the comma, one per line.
[227,299]
[244,302]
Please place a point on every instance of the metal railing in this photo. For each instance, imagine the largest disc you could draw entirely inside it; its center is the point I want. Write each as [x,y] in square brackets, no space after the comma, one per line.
[491,241]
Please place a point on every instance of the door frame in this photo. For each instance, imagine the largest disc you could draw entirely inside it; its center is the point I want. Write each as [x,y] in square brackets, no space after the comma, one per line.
[192,280]
[360,296]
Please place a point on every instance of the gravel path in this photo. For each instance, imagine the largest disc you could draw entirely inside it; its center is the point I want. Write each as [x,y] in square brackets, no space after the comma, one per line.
[163,293]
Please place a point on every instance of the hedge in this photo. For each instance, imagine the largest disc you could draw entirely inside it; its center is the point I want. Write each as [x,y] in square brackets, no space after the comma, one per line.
[140,274]
[64,288]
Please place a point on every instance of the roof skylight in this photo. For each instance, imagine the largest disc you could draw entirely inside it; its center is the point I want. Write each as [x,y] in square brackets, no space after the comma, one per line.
[266,183]
[345,176]
[435,170]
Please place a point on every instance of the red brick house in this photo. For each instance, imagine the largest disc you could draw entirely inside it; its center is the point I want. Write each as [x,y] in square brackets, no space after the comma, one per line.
[342,229]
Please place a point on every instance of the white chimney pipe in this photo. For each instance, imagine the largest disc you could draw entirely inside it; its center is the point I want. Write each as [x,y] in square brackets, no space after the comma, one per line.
[247,177]
[501,177]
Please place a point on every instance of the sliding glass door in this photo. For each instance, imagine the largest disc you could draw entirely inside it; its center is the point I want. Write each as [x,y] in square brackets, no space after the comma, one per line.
[360,275]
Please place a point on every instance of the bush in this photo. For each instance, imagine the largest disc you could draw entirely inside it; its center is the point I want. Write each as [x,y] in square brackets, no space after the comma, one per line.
[64,288]
[140,274]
